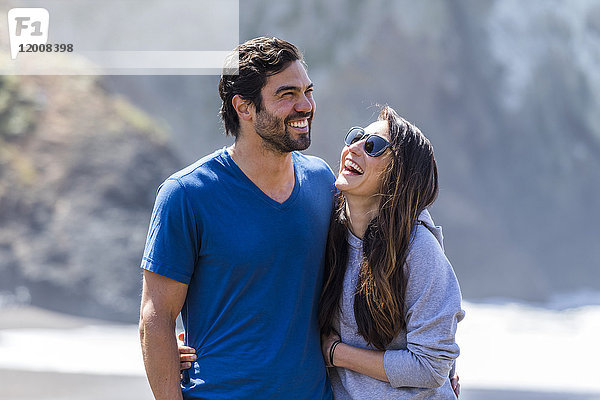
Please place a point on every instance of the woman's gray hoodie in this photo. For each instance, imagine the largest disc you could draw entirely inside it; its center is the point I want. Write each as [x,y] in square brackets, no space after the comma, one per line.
[420,359]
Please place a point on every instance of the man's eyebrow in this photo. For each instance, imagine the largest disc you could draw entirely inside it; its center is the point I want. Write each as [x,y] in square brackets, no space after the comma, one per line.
[292,88]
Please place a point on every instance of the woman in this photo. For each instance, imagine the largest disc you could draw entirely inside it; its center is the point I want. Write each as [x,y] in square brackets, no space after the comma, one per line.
[391,301]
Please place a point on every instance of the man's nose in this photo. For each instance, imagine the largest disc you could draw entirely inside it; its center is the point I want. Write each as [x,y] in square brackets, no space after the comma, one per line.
[304,104]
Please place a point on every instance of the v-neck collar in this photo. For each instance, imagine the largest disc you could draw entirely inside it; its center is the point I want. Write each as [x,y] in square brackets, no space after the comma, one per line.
[238,171]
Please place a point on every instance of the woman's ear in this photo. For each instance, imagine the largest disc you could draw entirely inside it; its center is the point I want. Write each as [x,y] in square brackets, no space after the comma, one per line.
[244,108]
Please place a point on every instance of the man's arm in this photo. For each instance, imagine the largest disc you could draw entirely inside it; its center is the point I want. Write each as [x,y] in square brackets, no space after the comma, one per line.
[162,300]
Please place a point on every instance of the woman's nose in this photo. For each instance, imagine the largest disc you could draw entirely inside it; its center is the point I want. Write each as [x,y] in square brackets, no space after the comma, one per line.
[357,146]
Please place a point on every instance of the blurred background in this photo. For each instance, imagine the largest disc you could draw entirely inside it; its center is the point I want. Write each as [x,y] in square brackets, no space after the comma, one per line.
[507,91]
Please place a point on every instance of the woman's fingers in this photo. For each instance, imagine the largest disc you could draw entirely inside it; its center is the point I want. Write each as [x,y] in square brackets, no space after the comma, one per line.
[185,365]
[186,349]
[187,357]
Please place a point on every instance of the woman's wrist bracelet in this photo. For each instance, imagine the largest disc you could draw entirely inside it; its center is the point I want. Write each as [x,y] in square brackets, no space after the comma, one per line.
[332,350]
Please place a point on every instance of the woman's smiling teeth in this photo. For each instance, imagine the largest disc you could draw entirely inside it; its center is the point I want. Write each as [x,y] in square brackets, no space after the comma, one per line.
[353,167]
[299,124]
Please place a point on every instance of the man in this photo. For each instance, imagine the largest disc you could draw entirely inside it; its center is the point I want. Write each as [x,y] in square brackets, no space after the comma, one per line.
[236,244]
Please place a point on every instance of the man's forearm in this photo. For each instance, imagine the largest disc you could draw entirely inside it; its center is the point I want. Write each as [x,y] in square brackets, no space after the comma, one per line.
[161,357]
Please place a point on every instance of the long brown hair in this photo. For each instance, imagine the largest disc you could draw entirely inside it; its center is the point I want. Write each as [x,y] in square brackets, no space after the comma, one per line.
[409,185]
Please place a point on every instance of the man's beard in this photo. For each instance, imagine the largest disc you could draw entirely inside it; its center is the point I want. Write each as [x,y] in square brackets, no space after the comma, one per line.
[275,134]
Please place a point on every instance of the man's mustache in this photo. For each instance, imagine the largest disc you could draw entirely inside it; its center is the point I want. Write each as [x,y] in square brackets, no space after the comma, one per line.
[298,115]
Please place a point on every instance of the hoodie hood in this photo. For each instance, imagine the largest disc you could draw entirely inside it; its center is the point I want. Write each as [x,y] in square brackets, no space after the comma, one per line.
[426,220]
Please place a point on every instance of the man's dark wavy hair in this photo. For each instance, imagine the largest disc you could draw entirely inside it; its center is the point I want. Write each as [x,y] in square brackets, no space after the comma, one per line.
[259,58]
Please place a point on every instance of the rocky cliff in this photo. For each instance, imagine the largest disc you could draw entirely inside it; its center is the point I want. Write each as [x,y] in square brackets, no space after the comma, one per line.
[78,173]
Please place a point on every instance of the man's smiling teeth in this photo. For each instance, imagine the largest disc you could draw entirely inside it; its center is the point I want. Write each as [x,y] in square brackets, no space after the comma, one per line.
[352,166]
[299,124]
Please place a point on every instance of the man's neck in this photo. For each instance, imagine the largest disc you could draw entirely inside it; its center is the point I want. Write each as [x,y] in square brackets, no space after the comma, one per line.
[271,171]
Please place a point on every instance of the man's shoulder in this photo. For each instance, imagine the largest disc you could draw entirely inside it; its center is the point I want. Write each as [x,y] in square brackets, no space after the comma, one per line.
[312,164]
[201,172]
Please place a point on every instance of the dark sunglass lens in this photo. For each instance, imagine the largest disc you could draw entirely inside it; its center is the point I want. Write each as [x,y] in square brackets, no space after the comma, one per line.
[375,145]
[353,136]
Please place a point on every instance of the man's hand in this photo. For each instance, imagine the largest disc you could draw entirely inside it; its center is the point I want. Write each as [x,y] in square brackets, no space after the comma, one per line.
[455,385]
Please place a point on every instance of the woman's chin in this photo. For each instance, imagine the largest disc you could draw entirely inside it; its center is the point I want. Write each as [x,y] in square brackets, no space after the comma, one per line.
[346,182]
[341,183]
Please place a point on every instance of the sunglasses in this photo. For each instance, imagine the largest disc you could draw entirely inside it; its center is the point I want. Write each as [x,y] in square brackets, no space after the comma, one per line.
[375,145]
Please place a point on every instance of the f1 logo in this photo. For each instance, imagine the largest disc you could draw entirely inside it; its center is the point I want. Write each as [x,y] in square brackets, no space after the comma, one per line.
[27,26]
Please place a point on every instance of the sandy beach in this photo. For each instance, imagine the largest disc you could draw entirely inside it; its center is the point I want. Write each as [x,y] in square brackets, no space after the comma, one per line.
[22,384]
[28,385]
[66,357]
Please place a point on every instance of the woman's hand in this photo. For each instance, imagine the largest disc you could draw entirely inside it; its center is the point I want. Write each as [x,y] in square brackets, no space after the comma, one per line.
[187,354]
[326,343]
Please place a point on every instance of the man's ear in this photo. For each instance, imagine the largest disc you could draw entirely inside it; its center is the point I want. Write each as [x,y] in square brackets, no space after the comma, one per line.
[244,108]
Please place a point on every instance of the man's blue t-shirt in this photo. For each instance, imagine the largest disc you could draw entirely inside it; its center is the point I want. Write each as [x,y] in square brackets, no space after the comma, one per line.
[254,269]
